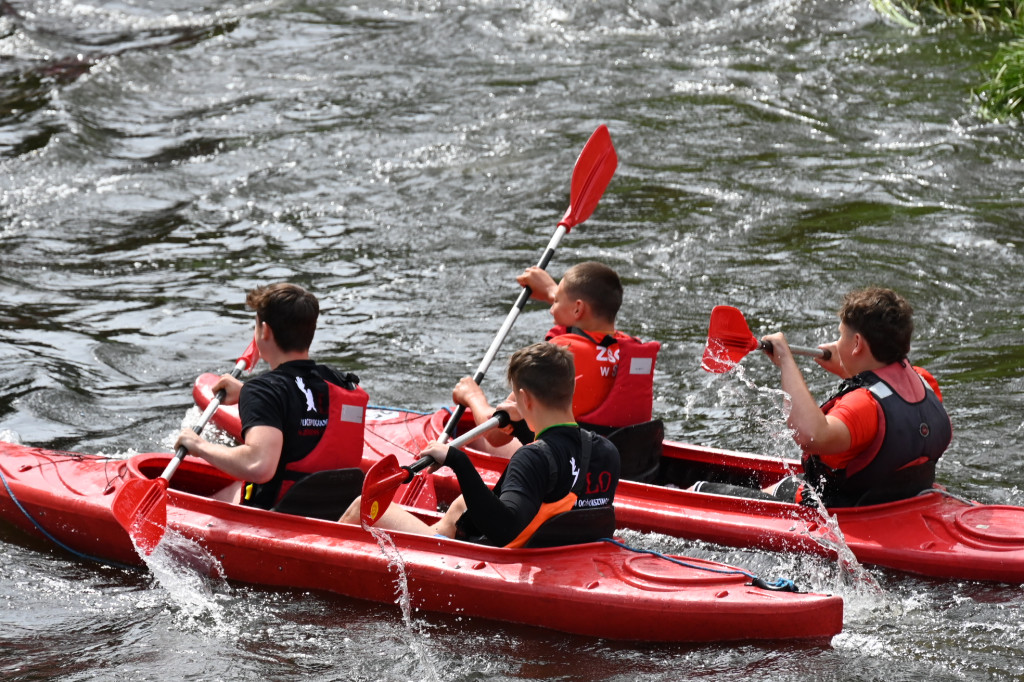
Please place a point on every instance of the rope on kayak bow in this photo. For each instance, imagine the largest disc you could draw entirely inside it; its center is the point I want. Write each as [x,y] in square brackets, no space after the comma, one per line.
[779,585]
[54,540]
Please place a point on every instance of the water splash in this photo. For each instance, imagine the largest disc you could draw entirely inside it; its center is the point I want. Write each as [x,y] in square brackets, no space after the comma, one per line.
[404,600]
[193,580]
[852,579]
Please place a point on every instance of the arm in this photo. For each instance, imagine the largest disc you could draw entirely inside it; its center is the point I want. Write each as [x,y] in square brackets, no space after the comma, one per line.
[469,394]
[814,431]
[542,286]
[501,519]
[232,387]
[254,461]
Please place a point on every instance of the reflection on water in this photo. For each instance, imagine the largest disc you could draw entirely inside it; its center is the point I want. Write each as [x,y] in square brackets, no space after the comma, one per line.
[405,160]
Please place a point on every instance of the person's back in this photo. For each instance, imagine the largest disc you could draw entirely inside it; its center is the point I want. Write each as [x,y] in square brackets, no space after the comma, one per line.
[320,413]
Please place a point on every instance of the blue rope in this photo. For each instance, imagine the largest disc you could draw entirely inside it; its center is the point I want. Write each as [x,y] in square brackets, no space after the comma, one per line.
[780,585]
[55,541]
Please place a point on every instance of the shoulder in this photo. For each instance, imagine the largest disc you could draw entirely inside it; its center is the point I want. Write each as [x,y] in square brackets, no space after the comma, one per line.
[857,402]
[930,379]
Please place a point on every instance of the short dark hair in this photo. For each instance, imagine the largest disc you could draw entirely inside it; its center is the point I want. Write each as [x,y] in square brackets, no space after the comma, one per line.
[291,312]
[596,284]
[545,370]
[883,318]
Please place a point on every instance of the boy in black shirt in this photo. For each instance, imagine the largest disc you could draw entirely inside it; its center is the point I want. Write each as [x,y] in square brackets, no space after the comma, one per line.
[565,468]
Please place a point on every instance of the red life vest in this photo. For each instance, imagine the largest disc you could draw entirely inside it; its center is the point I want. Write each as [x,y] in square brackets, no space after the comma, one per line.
[631,397]
[340,446]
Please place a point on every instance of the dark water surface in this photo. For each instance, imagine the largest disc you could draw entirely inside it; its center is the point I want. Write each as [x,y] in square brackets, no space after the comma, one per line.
[405,160]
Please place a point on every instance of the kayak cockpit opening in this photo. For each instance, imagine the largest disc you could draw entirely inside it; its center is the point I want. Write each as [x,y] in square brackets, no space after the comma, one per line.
[193,476]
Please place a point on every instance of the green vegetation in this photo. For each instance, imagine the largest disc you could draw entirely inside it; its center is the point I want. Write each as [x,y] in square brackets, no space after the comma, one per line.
[1002,96]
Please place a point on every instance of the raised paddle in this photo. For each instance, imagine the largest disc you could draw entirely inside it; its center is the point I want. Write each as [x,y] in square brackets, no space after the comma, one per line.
[140,505]
[384,477]
[590,176]
[730,340]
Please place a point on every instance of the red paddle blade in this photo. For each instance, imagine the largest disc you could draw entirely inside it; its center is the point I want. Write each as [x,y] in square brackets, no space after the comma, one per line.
[591,175]
[251,355]
[379,488]
[140,506]
[729,340]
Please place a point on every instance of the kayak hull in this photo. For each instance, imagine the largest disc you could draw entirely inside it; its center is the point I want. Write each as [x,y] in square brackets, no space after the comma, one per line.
[599,589]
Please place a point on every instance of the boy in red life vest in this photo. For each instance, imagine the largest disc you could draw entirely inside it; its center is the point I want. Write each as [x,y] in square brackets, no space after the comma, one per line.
[614,371]
[565,468]
[298,418]
[879,437]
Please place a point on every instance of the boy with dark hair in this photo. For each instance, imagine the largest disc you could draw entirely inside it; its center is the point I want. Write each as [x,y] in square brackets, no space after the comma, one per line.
[565,468]
[614,371]
[879,437]
[298,418]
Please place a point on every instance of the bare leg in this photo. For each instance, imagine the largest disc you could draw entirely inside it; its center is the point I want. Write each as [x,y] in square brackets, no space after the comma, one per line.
[231,493]
[395,517]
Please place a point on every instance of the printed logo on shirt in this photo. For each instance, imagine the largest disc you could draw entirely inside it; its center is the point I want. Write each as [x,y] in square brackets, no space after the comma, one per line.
[575,471]
[310,405]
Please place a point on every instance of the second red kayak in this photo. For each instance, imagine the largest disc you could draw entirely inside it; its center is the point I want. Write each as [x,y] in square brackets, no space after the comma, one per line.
[935,534]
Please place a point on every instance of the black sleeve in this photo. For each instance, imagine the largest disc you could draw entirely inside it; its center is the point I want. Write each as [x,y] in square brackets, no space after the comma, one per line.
[501,519]
[521,431]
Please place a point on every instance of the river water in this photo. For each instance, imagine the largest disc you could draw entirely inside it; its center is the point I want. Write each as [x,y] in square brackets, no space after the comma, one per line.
[405,160]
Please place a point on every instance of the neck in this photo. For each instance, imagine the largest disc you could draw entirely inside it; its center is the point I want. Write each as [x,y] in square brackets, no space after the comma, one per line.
[545,418]
[280,357]
[595,324]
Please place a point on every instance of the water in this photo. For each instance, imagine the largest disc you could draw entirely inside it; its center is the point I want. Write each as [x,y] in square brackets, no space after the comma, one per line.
[405,160]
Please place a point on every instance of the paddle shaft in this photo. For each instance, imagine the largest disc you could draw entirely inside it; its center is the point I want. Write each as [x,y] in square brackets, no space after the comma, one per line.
[179,455]
[510,319]
[499,419]
[799,350]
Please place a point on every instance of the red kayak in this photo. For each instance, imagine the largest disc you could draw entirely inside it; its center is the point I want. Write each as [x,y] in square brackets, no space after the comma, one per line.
[599,589]
[935,534]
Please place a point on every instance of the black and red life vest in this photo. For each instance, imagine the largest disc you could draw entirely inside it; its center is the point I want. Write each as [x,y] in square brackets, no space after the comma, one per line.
[900,461]
[594,488]
[340,446]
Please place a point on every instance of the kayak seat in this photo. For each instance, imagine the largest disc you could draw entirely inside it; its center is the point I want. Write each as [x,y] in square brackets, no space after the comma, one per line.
[639,448]
[322,494]
[575,527]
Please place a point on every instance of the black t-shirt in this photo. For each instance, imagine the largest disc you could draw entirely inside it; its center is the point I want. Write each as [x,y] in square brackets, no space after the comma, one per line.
[529,480]
[282,399]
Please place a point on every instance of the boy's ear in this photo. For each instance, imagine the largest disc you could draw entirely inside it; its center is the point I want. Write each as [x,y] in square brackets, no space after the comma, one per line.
[860,345]
[266,333]
[580,309]
[525,399]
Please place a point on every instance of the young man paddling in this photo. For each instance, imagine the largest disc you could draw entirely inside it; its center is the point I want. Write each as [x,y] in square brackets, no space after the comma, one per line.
[614,371]
[298,418]
[879,437]
[565,468]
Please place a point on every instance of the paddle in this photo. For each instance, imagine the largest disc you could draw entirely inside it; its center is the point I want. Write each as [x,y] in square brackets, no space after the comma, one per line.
[730,339]
[384,477]
[590,176]
[140,505]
